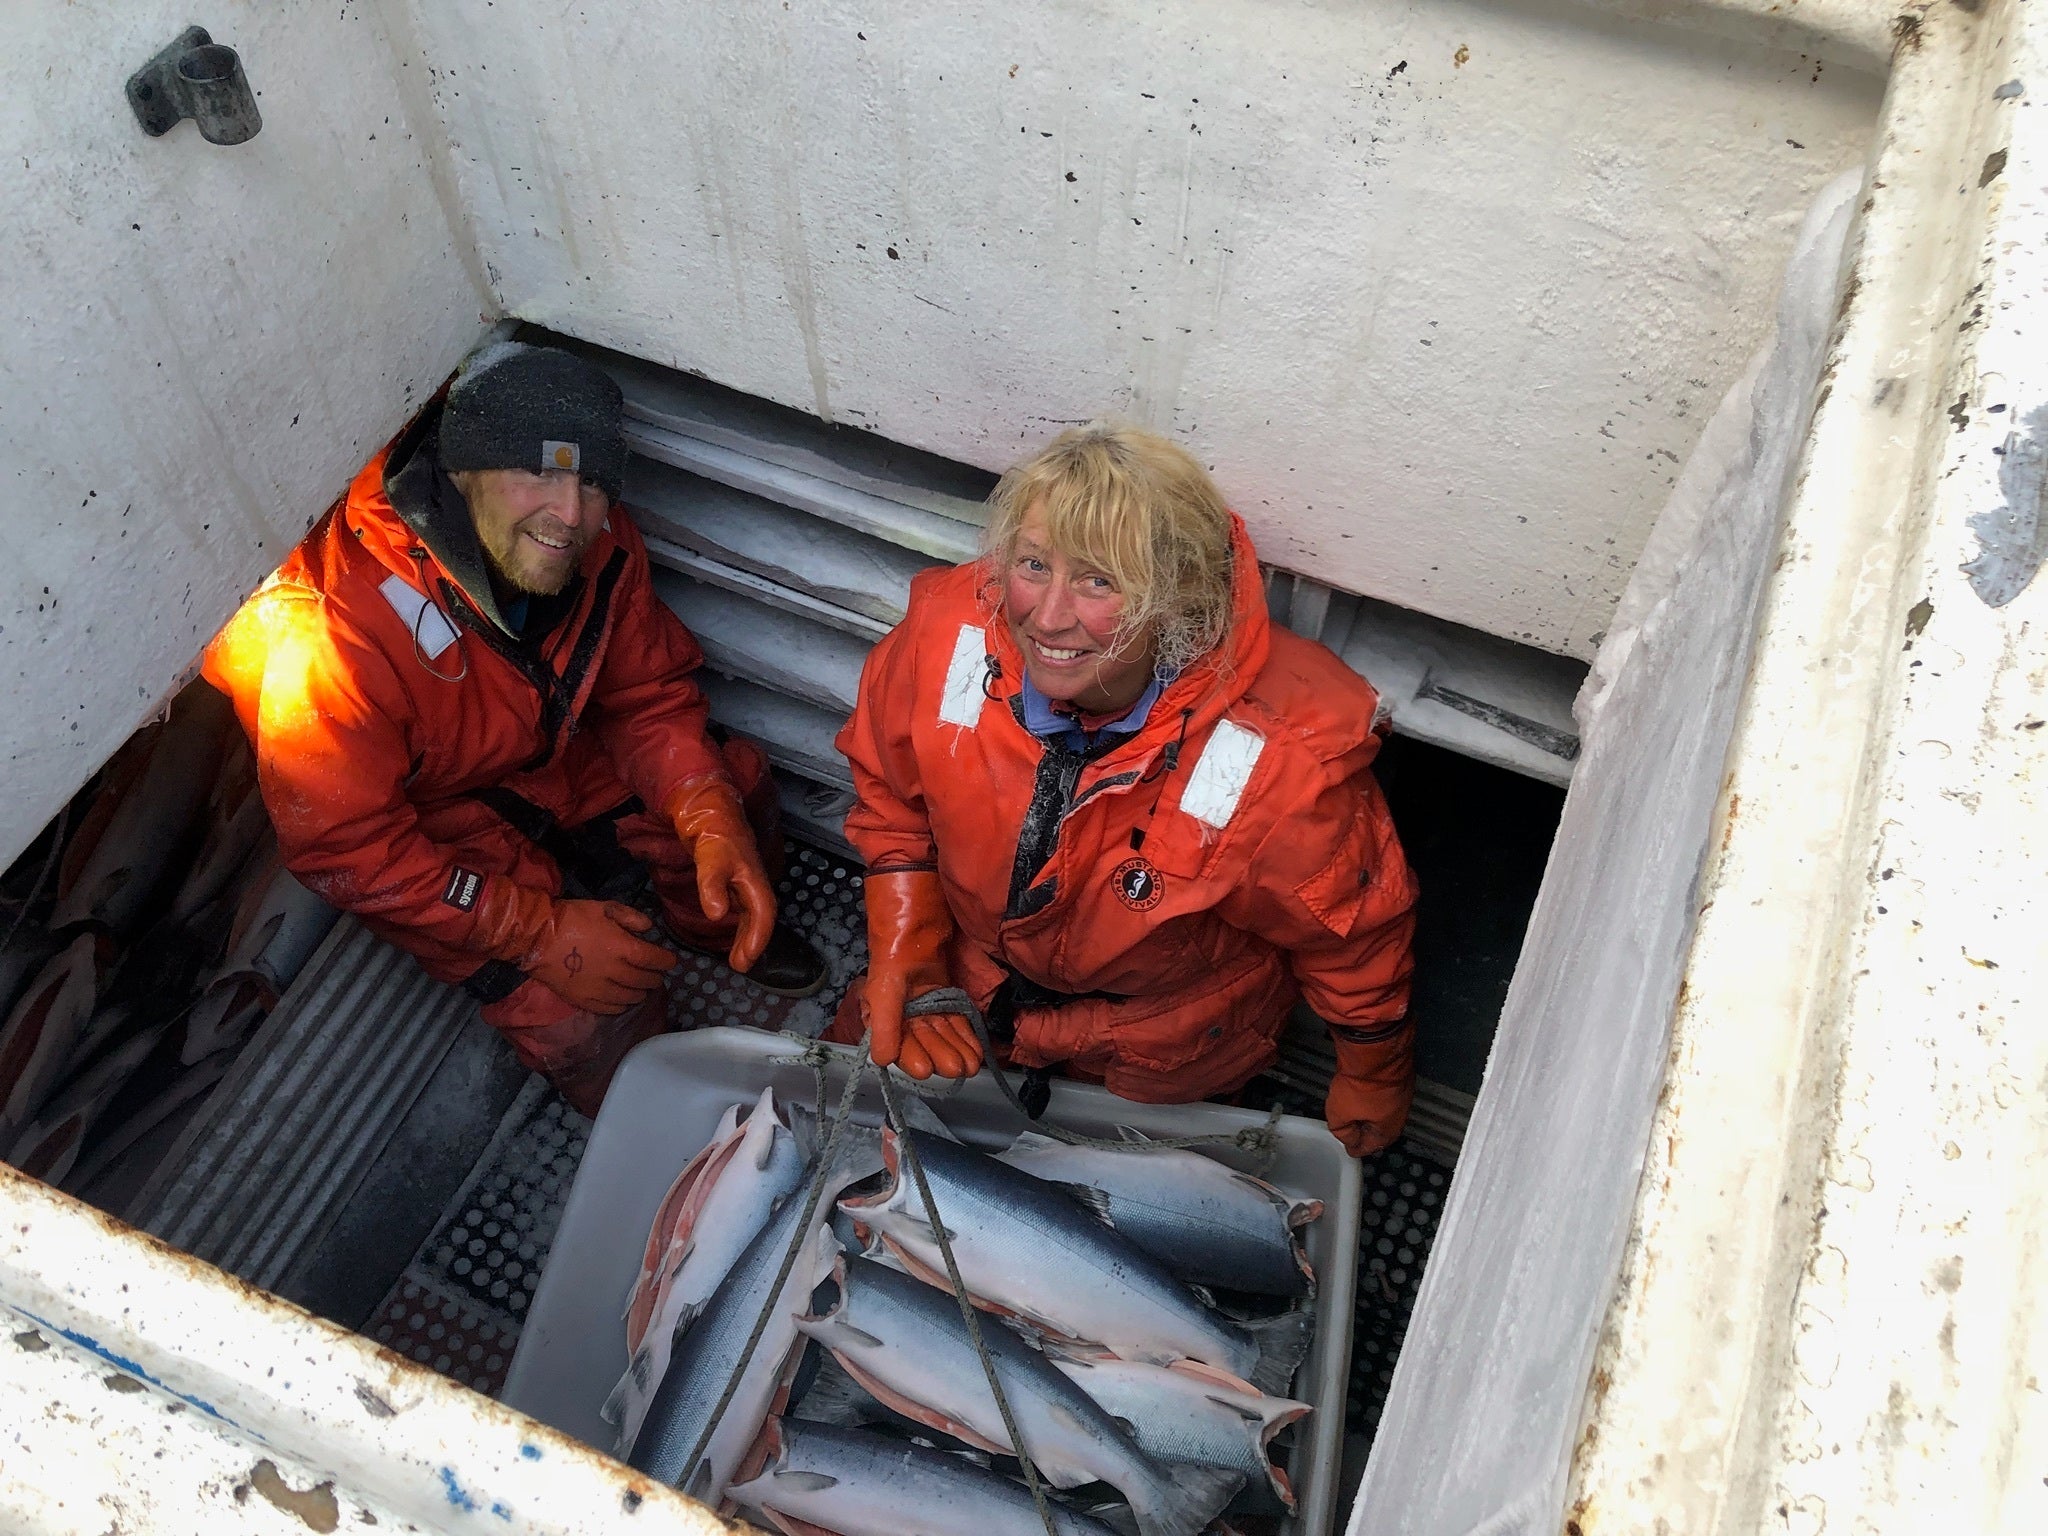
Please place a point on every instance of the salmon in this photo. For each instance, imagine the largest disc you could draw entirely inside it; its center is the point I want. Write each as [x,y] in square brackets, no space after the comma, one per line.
[1190,1412]
[709,1344]
[701,1236]
[906,1343]
[145,821]
[44,1027]
[855,1483]
[1026,1249]
[47,1148]
[1207,1223]
[278,924]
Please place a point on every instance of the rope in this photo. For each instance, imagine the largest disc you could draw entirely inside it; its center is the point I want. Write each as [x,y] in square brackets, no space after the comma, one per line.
[802,1235]
[907,1151]
[1260,1141]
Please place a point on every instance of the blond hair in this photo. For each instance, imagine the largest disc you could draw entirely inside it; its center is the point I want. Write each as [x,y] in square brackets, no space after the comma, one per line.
[1139,509]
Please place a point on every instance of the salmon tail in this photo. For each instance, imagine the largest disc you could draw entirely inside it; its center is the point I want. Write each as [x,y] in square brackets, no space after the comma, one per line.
[1184,1500]
[1282,1341]
[833,1397]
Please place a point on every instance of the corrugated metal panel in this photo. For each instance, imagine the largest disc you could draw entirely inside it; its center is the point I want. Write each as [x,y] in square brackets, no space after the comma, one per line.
[781,546]
[772,646]
[312,1100]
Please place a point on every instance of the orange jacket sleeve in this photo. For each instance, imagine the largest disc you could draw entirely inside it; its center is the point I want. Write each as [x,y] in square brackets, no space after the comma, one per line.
[888,824]
[644,704]
[332,757]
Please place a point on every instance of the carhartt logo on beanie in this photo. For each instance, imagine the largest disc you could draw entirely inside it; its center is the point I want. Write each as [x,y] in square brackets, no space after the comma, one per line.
[515,406]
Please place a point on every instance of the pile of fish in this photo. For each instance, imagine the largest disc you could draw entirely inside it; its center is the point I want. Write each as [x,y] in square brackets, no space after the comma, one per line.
[147,934]
[1141,1401]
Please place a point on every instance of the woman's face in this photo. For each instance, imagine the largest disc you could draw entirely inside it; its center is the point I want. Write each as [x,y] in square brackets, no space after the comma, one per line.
[1063,615]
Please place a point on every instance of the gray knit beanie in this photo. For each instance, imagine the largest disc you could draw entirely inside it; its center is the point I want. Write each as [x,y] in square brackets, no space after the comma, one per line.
[514,406]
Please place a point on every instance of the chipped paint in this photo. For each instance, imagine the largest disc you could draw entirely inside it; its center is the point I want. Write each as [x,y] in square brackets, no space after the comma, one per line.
[1829,1317]
[2013,536]
[268,1380]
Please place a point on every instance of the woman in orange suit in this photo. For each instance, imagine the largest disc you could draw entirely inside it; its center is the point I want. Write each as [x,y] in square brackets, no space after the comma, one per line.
[1133,819]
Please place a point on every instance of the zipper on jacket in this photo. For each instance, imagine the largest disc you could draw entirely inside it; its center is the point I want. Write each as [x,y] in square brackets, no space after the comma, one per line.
[1052,796]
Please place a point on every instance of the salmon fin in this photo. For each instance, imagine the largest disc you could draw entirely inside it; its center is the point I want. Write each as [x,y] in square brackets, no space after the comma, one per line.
[1184,1502]
[1249,1415]
[686,1315]
[803,1482]
[1303,1212]
[1092,1200]
[1216,1376]
[699,1485]
[1205,1296]
[614,1410]
[1070,1352]
[1029,1143]
[1060,1413]
[1282,1342]
[1134,1136]
[836,1334]
[834,1397]
[965,1453]
[920,1116]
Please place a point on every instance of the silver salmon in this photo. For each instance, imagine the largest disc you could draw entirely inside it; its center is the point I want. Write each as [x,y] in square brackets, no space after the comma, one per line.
[1190,1412]
[1027,1249]
[861,1484]
[1207,1223]
[700,1241]
[906,1343]
[708,1345]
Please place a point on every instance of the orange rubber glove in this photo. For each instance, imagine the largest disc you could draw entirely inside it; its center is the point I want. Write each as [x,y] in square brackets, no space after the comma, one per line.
[588,952]
[1373,1087]
[908,925]
[713,826]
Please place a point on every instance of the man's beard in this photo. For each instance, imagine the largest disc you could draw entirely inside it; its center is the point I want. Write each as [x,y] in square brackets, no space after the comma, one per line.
[511,566]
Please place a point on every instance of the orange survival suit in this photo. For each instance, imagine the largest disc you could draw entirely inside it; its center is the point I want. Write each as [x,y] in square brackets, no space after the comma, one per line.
[412,747]
[1156,905]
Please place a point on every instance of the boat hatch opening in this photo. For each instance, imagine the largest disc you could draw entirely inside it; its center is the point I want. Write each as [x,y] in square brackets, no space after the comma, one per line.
[281,1094]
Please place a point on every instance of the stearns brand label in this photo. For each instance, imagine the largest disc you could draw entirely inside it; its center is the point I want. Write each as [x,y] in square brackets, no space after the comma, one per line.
[464,886]
[1137,885]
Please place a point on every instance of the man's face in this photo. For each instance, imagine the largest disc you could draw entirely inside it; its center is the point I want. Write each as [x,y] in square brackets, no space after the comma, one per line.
[534,524]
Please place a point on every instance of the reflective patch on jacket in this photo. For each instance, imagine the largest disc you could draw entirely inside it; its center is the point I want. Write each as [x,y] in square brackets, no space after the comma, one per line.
[1221,773]
[960,703]
[427,623]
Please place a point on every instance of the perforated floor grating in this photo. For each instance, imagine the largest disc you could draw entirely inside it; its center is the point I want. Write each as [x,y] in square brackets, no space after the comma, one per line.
[1404,1196]
[461,1302]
